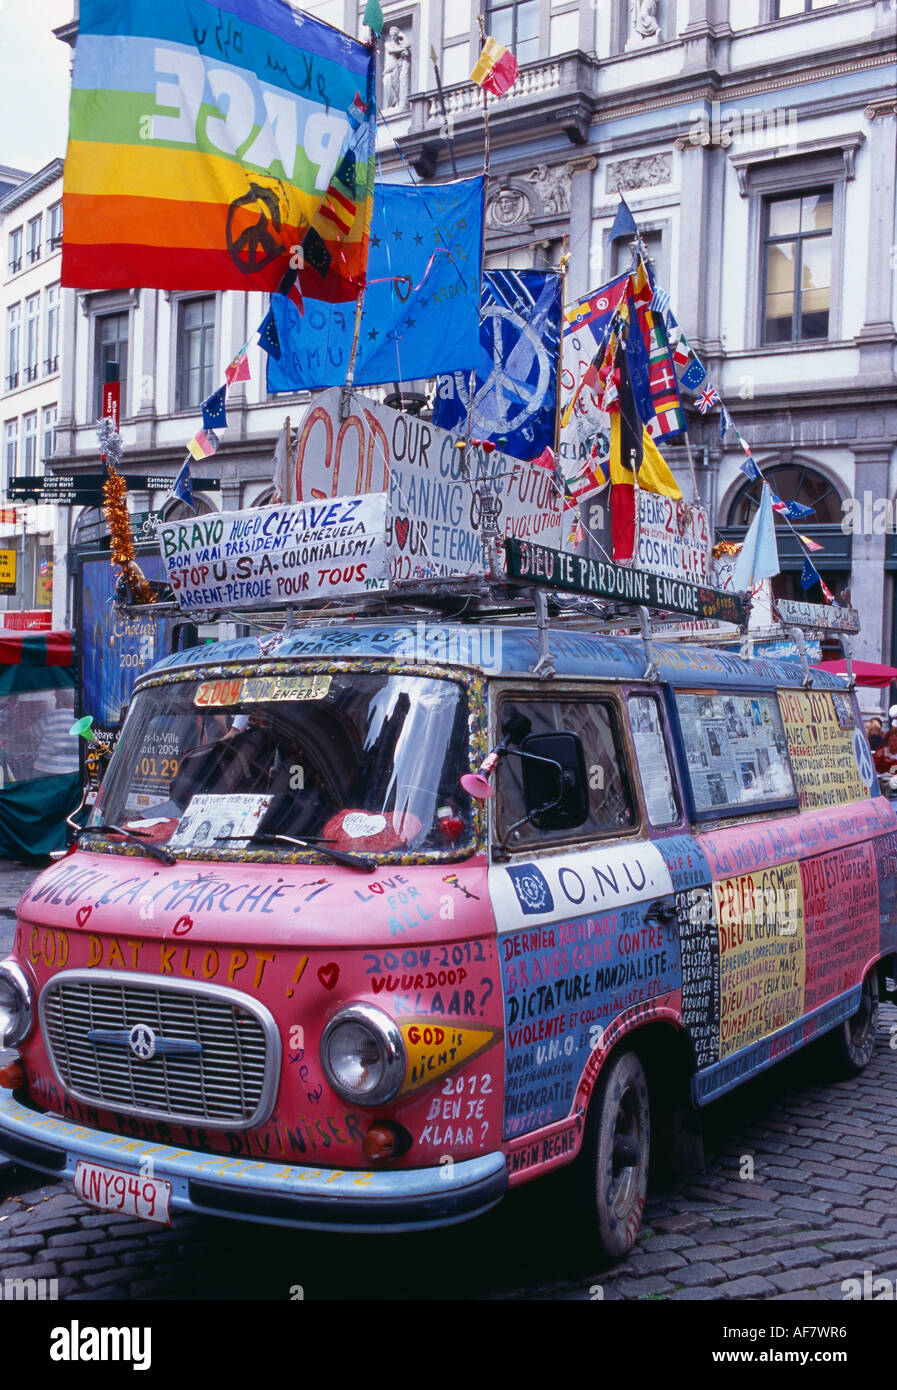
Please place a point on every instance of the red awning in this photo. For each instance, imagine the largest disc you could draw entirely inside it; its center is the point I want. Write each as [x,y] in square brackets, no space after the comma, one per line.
[36,648]
[864,672]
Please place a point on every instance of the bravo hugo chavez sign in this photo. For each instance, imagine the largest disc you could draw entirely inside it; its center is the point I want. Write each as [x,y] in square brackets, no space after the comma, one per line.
[275,555]
[538,564]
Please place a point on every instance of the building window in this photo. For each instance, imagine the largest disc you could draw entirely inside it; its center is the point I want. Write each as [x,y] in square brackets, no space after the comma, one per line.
[34,239]
[785,9]
[621,256]
[29,441]
[516,25]
[10,447]
[195,352]
[15,251]
[111,346]
[797,482]
[54,226]
[48,432]
[32,336]
[13,345]
[797,267]
[51,330]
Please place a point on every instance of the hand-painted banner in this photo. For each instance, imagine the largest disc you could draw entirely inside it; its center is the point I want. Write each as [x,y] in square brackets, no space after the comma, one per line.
[672,538]
[270,556]
[828,751]
[203,138]
[515,391]
[435,509]
[423,323]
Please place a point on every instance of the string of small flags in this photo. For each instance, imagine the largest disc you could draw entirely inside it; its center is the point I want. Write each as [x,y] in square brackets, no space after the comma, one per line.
[692,374]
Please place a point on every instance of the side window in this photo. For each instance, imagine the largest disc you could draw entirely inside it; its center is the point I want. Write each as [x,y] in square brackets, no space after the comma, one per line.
[736,750]
[646,723]
[610,801]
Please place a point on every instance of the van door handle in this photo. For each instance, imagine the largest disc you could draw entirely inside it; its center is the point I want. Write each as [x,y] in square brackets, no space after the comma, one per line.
[660,914]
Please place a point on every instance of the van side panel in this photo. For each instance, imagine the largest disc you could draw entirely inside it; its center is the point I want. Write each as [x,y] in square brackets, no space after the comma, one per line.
[798,914]
[585,937]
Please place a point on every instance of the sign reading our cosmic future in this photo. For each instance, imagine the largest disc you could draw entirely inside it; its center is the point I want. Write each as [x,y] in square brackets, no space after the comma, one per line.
[439,493]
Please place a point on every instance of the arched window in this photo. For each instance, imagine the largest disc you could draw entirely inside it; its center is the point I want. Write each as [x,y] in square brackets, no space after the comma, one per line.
[797,482]
[793,482]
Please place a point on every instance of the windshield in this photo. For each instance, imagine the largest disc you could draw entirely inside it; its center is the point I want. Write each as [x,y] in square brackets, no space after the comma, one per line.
[361,762]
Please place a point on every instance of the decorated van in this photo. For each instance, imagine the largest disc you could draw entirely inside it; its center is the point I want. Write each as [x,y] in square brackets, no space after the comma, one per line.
[374,920]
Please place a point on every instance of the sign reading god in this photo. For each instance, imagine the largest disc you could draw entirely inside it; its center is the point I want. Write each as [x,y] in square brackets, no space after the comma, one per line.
[538,564]
[795,613]
[277,555]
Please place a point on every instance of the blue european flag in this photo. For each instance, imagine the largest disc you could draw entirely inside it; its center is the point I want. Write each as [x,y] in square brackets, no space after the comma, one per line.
[269,338]
[693,375]
[421,304]
[214,414]
[796,511]
[182,487]
[808,575]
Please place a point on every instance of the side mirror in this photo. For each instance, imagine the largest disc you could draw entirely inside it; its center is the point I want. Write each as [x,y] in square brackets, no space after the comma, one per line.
[555,780]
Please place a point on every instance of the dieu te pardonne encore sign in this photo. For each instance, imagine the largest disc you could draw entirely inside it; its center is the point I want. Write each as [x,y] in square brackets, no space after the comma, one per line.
[558,569]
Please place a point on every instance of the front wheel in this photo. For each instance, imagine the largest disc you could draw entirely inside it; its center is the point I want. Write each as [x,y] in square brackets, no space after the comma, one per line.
[616,1154]
[852,1043]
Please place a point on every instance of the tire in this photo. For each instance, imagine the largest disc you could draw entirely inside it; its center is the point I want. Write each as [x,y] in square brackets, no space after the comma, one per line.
[616,1155]
[852,1043]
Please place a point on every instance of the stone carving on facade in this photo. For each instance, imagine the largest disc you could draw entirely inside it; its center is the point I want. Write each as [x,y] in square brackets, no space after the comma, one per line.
[510,205]
[644,23]
[552,184]
[544,192]
[396,71]
[645,172]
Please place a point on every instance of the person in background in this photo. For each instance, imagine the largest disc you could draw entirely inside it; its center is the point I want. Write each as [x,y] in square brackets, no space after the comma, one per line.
[57,750]
[885,758]
[874,733]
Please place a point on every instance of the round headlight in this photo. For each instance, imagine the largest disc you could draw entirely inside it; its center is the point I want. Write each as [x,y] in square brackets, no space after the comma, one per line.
[15,1005]
[363,1055]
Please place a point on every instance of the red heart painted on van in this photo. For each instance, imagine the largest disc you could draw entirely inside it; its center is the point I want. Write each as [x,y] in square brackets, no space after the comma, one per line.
[329,974]
[83,913]
[182,926]
[403,526]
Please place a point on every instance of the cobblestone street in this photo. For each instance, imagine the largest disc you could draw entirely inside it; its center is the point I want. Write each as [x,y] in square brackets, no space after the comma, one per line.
[818,1210]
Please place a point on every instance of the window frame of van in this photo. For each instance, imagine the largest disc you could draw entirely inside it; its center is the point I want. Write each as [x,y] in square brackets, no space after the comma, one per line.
[656,694]
[614,696]
[728,811]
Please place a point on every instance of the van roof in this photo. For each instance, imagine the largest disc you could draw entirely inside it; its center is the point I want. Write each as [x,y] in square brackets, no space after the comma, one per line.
[506,650]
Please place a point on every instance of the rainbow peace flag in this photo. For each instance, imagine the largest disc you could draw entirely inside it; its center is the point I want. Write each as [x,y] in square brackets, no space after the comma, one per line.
[203,139]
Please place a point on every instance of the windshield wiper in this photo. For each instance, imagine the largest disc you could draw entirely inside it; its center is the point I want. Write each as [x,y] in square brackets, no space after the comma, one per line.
[341,856]
[157,851]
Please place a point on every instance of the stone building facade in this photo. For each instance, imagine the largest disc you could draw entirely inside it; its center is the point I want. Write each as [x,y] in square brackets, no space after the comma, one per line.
[754,142]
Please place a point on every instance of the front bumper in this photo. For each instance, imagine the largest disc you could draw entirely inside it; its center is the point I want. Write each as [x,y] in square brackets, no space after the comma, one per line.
[321,1199]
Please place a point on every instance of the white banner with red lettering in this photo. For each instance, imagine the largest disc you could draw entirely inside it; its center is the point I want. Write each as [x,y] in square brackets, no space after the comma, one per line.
[672,538]
[268,557]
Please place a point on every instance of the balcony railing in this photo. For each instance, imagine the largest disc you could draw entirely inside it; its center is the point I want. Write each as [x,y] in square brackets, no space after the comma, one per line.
[12,381]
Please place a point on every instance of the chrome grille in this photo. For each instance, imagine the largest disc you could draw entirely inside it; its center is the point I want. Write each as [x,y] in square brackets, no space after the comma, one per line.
[230,1083]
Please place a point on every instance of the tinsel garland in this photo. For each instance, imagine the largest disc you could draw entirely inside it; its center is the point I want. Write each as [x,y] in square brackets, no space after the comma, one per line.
[115,510]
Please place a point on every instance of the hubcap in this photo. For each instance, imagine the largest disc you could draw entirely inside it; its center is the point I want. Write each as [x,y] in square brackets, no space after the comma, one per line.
[627,1154]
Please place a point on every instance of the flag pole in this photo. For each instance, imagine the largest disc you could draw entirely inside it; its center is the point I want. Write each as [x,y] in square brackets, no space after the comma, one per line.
[288,470]
[369,207]
[448,132]
[482,23]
